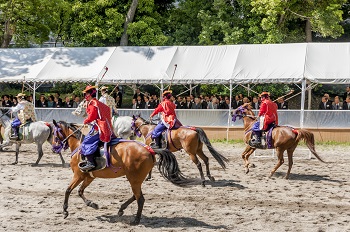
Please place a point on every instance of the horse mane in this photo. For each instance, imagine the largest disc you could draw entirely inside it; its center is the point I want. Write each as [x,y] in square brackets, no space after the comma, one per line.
[77,134]
[147,121]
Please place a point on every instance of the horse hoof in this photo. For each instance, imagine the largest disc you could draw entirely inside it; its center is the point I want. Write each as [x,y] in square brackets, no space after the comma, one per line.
[34,165]
[252,165]
[14,163]
[246,170]
[120,213]
[211,178]
[93,205]
[65,214]
[135,223]
[203,183]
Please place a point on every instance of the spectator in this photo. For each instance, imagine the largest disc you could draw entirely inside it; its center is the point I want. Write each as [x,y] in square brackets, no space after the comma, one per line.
[324,105]
[281,104]
[337,105]
[346,104]
[347,93]
[59,99]
[329,101]
[133,106]
[205,102]
[140,104]
[51,103]
[197,104]
[14,102]
[42,101]
[76,102]
[179,103]
[138,93]
[30,98]
[118,97]
[225,104]
[6,102]
[213,104]
[68,103]
[236,103]
[188,104]
[58,104]
[255,104]
[147,102]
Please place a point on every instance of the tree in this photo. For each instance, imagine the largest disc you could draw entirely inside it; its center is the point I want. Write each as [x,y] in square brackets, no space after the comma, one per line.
[128,19]
[27,21]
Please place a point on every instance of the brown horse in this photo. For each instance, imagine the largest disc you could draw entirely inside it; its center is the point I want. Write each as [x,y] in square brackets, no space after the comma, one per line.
[129,158]
[284,138]
[189,139]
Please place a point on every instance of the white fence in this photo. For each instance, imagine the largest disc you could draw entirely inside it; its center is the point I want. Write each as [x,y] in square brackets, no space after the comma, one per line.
[312,118]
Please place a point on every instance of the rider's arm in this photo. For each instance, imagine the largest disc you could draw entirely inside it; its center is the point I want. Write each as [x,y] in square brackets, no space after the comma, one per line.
[157,110]
[92,114]
[17,108]
[263,109]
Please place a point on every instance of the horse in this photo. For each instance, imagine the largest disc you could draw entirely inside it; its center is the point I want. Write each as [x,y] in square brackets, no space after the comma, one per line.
[128,158]
[35,132]
[121,124]
[191,139]
[284,138]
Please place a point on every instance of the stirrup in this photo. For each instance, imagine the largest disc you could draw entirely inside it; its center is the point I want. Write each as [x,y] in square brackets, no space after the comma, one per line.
[86,165]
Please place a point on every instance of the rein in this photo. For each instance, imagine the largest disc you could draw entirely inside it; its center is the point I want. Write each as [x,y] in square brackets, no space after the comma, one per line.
[137,129]
[62,144]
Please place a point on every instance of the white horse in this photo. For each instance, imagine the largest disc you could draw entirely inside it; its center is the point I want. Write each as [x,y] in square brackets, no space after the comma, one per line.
[121,124]
[36,132]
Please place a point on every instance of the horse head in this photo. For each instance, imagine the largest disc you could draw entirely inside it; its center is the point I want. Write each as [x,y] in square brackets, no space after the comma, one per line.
[137,122]
[79,111]
[59,140]
[242,111]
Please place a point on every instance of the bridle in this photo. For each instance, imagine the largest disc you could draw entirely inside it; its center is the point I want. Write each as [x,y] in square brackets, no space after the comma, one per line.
[137,129]
[242,114]
[60,144]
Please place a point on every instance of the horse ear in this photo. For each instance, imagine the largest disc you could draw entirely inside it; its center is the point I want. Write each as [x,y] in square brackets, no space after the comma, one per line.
[139,115]
[133,116]
[54,122]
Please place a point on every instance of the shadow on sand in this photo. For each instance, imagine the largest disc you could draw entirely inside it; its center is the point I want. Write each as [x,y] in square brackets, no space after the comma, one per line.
[159,222]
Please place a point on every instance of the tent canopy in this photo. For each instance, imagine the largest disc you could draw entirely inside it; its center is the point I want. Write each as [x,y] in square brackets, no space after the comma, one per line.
[263,63]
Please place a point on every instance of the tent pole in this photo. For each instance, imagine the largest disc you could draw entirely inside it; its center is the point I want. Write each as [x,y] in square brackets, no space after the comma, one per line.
[229,113]
[34,92]
[309,96]
[161,90]
[302,105]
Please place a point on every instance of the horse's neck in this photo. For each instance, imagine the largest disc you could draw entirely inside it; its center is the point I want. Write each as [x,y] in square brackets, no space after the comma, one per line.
[146,129]
[248,122]
[73,143]
[5,121]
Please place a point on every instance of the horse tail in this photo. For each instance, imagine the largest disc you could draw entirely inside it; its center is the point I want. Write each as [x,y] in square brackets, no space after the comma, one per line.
[222,160]
[169,169]
[309,139]
[50,125]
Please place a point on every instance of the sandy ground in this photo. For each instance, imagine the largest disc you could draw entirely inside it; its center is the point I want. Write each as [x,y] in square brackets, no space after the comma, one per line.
[316,198]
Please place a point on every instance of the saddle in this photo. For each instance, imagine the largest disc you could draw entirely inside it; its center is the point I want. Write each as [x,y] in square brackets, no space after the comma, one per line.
[266,138]
[164,139]
[101,156]
[22,131]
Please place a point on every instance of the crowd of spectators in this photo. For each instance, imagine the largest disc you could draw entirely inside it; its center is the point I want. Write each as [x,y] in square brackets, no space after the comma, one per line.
[150,101]
[338,103]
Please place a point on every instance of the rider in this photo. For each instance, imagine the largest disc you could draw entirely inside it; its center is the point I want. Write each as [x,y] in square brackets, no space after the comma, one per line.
[167,108]
[26,114]
[268,115]
[98,114]
[108,100]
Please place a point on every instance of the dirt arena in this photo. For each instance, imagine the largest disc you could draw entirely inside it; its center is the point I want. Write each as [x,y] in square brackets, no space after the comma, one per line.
[316,198]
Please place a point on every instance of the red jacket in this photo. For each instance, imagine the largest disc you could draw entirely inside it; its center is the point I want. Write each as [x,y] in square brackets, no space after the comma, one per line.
[269,110]
[167,108]
[101,113]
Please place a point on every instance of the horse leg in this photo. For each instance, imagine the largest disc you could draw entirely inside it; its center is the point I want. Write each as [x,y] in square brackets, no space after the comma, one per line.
[87,181]
[18,145]
[290,152]
[149,177]
[280,161]
[205,159]
[245,156]
[62,160]
[136,189]
[40,153]
[74,183]
[125,205]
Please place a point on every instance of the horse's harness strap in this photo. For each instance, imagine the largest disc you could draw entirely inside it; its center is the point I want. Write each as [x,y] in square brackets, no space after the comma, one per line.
[172,141]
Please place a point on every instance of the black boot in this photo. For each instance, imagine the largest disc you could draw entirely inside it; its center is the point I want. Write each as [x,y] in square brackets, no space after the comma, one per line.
[87,164]
[156,143]
[14,135]
[257,141]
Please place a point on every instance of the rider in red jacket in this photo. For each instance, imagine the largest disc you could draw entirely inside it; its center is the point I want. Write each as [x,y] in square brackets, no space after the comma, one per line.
[267,116]
[168,119]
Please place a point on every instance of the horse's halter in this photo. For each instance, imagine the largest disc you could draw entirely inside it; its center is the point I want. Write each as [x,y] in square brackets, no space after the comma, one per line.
[59,144]
[137,129]
[241,111]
